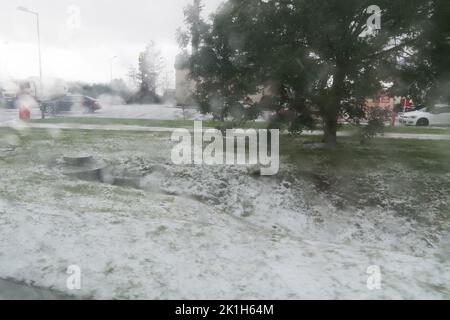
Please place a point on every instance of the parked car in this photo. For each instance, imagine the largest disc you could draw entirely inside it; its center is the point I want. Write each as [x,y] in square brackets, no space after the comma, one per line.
[72,102]
[414,108]
[437,116]
[7,100]
[403,114]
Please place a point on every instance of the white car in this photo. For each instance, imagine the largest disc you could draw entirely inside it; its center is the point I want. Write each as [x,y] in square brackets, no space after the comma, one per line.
[438,116]
[402,115]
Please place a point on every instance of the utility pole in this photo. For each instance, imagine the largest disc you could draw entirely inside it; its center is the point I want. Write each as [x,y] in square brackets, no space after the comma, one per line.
[111,60]
[36,14]
[2,58]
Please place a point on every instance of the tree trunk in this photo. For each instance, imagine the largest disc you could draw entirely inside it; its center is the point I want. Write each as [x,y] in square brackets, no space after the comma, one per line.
[330,130]
[330,118]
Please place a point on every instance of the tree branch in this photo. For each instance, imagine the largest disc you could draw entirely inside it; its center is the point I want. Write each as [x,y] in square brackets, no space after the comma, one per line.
[394,48]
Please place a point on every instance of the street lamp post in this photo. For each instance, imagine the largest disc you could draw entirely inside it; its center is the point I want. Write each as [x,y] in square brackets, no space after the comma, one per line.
[2,58]
[111,60]
[39,44]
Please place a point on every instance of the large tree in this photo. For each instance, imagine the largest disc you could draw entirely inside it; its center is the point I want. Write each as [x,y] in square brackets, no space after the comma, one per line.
[313,56]
[150,65]
[425,72]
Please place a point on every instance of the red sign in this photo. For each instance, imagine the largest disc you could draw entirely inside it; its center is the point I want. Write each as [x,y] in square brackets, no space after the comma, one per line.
[406,102]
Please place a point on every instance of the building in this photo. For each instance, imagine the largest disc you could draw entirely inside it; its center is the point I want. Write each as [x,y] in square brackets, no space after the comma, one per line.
[184,87]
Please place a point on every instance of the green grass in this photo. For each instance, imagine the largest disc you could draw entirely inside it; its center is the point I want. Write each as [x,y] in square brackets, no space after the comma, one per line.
[212,124]
[404,129]
[72,137]
[141,122]
[349,155]
[418,130]
[429,156]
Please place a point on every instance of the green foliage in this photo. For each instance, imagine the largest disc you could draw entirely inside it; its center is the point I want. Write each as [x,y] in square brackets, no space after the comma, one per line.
[308,56]
[376,118]
[425,73]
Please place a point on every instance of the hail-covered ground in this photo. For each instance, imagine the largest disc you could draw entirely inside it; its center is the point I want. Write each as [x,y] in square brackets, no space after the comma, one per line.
[218,232]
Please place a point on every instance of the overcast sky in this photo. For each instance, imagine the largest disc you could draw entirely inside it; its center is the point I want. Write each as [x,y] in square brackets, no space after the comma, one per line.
[79,47]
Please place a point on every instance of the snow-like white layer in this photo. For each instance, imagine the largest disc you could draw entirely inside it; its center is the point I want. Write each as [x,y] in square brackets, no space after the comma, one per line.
[208,232]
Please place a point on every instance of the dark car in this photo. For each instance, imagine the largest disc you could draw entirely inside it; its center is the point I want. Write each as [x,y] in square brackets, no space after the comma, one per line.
[7,100]
[72,103]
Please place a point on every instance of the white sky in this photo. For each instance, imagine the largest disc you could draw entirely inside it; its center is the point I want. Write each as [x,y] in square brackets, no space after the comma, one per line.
[73,51]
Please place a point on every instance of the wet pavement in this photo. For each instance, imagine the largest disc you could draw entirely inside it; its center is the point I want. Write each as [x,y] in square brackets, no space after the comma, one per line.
[154,112]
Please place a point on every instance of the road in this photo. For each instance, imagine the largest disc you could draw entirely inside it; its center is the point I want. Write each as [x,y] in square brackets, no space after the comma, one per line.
[155,112]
